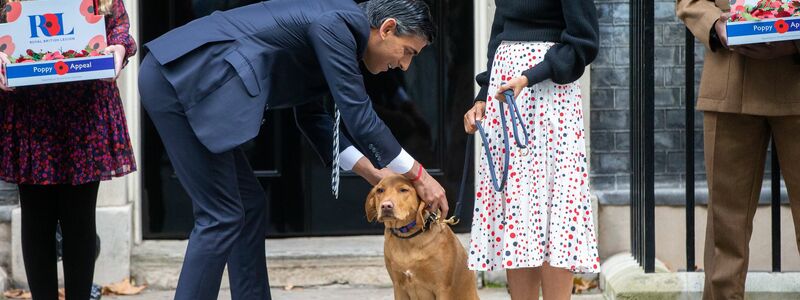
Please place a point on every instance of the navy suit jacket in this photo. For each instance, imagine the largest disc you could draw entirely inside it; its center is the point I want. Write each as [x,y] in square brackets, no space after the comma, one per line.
[229,67]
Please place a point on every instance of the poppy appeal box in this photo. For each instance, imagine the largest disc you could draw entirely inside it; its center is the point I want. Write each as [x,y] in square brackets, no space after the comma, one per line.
[52,41]
[760,21]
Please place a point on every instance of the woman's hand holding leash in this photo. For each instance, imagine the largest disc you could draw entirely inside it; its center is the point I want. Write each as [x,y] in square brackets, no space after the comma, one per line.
[477,113]
[516,84]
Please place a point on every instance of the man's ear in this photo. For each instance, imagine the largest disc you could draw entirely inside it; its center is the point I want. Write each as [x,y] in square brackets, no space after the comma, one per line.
[389,26]
[369,206]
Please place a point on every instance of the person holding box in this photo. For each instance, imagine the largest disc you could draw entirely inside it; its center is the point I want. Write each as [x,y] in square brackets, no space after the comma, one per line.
[57,142]
[748,93]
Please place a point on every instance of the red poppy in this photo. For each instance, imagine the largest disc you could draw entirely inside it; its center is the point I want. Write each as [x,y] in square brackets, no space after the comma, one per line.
[61,68]
[12,10]
[781,26]
[51,24]
[6,45]
[90,12]
[97,43]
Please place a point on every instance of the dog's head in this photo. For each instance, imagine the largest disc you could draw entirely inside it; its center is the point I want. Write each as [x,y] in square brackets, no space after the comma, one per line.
[394,202]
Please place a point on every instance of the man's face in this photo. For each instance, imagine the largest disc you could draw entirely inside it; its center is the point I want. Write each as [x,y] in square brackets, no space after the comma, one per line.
[386,50]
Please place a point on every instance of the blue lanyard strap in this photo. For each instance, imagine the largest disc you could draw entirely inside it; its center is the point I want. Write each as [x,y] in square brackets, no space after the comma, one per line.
[516,117]
[516,121]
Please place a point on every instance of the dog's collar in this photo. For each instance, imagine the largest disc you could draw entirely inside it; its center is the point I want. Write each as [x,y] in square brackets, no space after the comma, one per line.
[407,228]
[410,226]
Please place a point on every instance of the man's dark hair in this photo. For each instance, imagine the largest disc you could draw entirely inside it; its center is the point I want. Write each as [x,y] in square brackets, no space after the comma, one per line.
[412,16]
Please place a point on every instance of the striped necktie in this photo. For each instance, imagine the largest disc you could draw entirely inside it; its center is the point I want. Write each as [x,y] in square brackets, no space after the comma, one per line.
[335,165]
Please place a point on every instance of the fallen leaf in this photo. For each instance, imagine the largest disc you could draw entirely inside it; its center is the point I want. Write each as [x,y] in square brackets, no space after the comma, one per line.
[581,285]
[124,287]
[17,294]
[288,287]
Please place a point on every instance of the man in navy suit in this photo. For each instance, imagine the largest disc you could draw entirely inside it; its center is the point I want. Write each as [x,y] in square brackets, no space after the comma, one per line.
[207,84]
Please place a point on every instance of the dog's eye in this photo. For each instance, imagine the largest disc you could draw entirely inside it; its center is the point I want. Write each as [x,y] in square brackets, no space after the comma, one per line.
[404,190]
[380,190]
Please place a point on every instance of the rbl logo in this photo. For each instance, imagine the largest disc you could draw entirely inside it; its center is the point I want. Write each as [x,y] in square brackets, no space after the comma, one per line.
[48,24]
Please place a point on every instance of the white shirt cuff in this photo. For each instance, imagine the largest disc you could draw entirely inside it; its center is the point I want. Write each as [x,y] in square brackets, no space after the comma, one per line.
[402,163]
[349,157]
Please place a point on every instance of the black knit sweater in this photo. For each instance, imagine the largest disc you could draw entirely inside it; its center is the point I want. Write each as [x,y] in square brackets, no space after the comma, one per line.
[570,23]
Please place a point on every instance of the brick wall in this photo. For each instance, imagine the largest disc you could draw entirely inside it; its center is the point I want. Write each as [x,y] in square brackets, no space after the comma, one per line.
[610,99]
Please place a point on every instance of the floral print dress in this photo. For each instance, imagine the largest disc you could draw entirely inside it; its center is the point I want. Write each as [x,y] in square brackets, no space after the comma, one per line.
[70,133]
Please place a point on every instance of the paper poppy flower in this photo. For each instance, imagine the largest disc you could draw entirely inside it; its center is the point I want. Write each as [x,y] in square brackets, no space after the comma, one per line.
[12,10]
[781,26]
[97,43]
[90,12]
[51,24]
[61,68]
[6,45]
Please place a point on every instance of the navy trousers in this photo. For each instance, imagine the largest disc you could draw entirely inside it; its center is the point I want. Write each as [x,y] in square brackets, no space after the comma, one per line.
[228,202]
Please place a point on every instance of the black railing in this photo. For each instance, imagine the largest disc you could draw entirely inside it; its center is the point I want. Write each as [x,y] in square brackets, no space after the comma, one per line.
[642,144]
[776,210]
[691,265]
[642,86]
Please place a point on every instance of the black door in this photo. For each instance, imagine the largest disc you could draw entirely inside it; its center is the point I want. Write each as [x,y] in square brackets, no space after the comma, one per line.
[423,107]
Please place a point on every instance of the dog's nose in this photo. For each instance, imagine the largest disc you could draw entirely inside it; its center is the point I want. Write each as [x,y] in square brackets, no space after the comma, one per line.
[388,205]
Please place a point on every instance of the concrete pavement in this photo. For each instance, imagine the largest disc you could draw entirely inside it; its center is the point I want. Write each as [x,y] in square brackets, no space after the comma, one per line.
[335,292]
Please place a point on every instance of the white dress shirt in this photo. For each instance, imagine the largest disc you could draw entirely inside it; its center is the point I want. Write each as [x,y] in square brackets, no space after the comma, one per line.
[400,164]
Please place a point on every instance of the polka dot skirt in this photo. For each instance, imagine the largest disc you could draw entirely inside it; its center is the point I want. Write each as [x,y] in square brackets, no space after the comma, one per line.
[544,214]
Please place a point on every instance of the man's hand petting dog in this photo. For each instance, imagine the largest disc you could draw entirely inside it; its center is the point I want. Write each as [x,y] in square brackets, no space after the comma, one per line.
[372,175]
[429,190]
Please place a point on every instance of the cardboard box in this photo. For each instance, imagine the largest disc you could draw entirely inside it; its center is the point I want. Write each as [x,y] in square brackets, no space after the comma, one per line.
[768,30]
[54,27]
[760,21]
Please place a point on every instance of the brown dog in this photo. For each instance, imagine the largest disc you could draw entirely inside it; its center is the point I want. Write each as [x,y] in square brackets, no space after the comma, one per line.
[424,258]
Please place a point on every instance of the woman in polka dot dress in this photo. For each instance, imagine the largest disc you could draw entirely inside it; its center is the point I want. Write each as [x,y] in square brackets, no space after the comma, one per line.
[540,227]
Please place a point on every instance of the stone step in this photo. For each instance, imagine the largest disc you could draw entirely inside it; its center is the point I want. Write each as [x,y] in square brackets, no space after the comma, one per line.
[623,278]
[330,293]
[354,260]
[320,262]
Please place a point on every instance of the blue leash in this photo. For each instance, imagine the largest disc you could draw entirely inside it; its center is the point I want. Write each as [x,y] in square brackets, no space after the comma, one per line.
[516,120]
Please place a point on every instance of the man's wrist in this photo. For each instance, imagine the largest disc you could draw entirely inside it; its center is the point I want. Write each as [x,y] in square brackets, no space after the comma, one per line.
[411,174]
[403,163]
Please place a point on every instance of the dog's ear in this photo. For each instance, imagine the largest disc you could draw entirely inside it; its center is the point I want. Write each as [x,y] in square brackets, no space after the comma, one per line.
[421,211]
[369,206]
